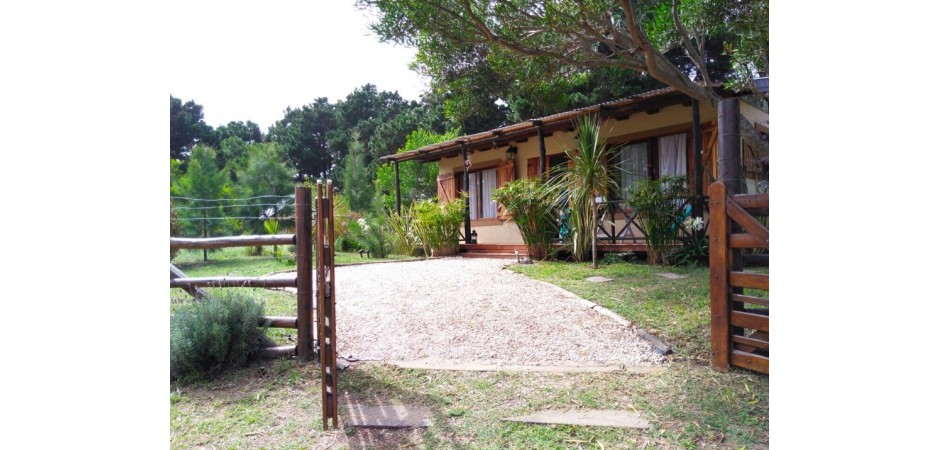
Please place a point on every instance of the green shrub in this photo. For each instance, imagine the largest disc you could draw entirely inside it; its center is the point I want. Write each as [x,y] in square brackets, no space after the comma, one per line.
[617,257]
[214,334]
[371,234]
[176,230]
[437,226]
[660,206]
[529,204]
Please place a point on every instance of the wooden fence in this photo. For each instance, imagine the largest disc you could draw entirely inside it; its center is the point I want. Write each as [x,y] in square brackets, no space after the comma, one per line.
[740,322]
[320,342]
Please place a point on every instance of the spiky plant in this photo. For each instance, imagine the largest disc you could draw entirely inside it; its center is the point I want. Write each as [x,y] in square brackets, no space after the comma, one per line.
[586,177]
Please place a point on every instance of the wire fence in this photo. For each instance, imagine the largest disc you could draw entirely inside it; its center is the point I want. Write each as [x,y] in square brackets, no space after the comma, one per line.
[210,217]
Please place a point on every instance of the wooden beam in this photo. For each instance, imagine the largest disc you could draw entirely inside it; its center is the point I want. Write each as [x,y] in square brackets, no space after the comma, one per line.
[750,361]
[250,282]
[749,223]
[278,322]
[230,241]
[750,320]
[750,299]
[753,201]
[278,352]
[197,293]
[719,260]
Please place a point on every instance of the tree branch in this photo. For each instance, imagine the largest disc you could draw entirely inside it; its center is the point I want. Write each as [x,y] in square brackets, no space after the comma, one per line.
[690,50]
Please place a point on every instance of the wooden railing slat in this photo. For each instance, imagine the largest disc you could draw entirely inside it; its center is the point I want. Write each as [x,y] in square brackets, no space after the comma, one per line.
[750,320]
[751,342]
[749,223]
[749,280]
[750,299]
[739,240]
[753,201]
[750,361]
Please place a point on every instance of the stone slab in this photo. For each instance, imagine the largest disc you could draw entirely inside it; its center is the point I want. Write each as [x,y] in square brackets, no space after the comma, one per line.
[599,279]
[398,416]
[585,417]
[671,276]
[490,366]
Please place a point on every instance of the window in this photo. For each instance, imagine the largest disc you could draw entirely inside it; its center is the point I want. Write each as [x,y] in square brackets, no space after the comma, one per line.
[652,158]
[482,184]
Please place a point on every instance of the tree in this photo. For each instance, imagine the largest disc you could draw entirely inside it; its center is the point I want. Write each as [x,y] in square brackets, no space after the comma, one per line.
[303,135]
[186,127]
[416,180]
[248,132]
[202,183]
[265,173]
[356,186]
[572,35]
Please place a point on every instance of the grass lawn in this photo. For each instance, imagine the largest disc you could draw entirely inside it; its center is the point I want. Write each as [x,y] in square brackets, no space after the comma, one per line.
[276,404]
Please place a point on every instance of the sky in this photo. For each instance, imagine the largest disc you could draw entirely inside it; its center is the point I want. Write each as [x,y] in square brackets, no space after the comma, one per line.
[249,60]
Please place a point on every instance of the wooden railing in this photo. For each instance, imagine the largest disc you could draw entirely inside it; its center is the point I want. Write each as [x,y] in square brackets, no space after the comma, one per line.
[618,220]
[740,322]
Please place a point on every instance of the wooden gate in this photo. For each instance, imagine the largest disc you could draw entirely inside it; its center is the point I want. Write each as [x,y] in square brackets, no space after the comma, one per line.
[326,303]
[740,322]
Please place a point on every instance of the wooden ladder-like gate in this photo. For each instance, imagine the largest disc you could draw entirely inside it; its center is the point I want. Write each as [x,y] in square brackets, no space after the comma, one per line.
[326,302]
[740,335]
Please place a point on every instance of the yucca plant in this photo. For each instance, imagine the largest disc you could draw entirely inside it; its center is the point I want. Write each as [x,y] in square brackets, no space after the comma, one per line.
[529,203]
[586,178]
[660,211]
[404,240]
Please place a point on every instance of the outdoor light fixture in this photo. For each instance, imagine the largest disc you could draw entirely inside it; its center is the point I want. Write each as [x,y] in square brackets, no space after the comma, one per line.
[511,153]
[473,237]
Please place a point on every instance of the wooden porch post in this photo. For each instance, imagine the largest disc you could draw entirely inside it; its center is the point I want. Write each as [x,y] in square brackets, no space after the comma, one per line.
[729,172]
[542,170]
[397,190]
[729,144]
[466,187]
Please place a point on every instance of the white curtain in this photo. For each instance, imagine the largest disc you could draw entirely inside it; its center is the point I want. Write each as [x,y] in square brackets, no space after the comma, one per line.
[672,155]
[633,165]
[472,189]
[488,180]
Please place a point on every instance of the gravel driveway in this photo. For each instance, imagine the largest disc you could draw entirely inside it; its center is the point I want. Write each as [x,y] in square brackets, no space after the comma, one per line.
[472,310]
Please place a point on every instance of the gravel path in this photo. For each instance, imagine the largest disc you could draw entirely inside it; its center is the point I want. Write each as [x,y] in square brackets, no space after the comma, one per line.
[472,309]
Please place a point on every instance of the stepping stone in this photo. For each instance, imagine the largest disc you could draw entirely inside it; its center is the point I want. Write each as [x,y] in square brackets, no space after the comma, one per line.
[599,279]
[585,417]
[389,416]
[671,276]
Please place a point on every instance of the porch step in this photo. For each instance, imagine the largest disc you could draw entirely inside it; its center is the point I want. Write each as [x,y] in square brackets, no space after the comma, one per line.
[488,255]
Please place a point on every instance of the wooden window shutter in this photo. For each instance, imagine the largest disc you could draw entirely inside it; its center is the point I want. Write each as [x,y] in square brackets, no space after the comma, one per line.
[709,153]
[532,168]
[505,173]
[446,191]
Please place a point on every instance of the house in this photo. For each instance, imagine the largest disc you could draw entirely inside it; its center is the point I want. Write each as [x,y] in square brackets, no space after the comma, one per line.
[655,133]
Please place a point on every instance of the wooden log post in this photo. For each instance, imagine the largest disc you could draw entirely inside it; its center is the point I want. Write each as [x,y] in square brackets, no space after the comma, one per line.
[397,190]
[730,173]
[303,231]
[466,188]
[718,276]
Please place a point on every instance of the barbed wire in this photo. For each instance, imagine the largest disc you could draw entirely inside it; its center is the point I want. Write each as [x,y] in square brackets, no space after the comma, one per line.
[232,218]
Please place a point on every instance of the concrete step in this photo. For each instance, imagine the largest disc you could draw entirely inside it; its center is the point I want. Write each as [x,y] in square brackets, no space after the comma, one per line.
[489,255]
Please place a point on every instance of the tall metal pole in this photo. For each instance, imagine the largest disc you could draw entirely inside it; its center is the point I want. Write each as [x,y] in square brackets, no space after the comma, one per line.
[466,188]
[397,190]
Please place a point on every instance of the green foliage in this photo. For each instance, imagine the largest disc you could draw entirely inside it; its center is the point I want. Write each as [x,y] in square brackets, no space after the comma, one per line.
[214,334]
[175,230]
[437,226]
[356,186]
[660,206]
[303,135]
[417,181]
[203,180]
[693,252]
[577,185]
[404,240]
[371,235]
[616,257]
[187,127]
[530,205]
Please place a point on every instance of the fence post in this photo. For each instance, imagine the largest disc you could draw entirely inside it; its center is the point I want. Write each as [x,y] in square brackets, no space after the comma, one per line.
[303,230]
[718,275]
